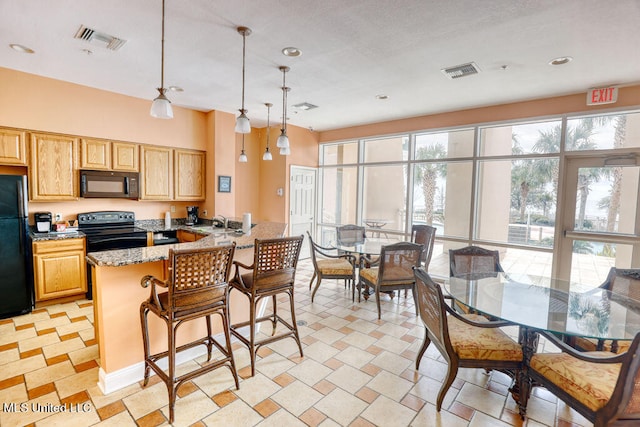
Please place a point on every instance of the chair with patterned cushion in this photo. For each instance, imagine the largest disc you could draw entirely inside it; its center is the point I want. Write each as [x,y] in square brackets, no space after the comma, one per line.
[601,386]
[464,341]
[197,287]
[273,272]
[328,264]
[620,282]
[394,271]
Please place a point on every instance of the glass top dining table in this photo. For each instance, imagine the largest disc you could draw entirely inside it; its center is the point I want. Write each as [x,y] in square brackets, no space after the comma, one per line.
[369,246]
[547,304]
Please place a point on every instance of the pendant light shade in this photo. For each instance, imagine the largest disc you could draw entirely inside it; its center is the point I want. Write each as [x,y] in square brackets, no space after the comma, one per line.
[267,154]
[283,139]
[285,151]
[243,157]
[242,122]
[161,106]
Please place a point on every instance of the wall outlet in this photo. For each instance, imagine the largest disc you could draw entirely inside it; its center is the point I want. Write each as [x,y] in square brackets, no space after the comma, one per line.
[173,209]
[204,212]
[58,217]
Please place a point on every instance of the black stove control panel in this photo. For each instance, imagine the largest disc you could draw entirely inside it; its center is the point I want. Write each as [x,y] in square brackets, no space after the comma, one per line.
[106,218]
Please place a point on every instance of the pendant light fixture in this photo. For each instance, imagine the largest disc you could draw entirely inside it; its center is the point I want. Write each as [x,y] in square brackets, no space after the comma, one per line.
[283,139]
[267,154]
[161,106]
[243,156]
[242,122]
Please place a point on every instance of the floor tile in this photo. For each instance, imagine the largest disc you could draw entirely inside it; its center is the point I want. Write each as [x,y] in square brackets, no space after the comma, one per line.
[356,371]
[386,412]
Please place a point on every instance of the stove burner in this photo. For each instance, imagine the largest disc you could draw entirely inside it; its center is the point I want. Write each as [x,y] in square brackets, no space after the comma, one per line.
[107,230]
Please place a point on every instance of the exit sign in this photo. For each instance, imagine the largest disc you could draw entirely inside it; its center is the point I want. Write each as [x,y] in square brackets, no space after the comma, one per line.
[603,95]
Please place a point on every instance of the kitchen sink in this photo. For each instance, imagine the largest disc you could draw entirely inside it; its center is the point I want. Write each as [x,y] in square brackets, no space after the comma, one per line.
[216,231]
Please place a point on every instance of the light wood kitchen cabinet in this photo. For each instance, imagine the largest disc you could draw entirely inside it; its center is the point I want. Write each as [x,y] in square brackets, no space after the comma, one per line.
[189,175]
[59,268]
[13,147]
[156,173]
[53,168]
[125,156]
[95,154]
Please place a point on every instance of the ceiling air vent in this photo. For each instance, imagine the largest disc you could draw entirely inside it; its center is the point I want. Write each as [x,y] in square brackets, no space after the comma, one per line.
[102,39]
[461,70]
[305,106]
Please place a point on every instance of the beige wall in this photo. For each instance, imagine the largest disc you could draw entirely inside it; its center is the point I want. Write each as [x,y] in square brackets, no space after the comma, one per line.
[38,103]
[628,97]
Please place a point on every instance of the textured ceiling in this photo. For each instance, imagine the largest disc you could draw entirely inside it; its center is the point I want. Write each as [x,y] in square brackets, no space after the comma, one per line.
[352,51]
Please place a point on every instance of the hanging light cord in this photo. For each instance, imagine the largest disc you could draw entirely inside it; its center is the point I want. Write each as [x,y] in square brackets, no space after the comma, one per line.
[244,44]
[284,102]
[268,122]
[162,54]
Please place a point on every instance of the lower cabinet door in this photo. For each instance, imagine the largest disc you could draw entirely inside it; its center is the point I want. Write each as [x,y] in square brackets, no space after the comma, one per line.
[60,275]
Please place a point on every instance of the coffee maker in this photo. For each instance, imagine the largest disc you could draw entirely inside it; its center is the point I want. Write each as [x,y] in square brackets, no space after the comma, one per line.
[43,221]
[192,215]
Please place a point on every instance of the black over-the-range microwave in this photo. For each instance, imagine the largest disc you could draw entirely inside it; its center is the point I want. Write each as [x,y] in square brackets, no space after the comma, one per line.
[108,184]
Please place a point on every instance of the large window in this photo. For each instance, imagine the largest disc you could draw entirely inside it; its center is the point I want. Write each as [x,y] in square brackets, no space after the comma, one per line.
[497,186]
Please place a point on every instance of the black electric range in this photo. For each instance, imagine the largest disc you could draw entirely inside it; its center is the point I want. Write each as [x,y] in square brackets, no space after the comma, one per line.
[107,230]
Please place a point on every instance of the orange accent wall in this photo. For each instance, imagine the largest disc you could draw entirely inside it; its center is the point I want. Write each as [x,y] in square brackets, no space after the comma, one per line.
[628,97]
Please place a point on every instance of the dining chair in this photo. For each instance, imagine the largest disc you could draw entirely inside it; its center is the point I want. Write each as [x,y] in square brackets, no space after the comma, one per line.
[272,273]
[393,272]
[464,341]
[197,286]
[601,386]
[328,264]
[426,236]
[473,259]
[623,282]
[350,234]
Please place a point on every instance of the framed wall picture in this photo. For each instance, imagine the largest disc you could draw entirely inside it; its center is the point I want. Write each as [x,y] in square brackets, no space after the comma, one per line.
[224,184]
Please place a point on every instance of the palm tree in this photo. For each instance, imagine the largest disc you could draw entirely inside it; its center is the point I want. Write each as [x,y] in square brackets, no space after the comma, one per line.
[428,174]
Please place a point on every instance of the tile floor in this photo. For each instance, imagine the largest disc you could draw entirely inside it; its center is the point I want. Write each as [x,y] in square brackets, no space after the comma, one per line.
[356,371]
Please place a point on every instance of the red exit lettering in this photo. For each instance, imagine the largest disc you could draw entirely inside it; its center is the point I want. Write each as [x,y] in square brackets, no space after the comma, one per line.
[605,95]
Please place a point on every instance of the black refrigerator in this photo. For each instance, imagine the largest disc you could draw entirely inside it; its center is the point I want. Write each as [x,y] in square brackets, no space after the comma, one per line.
[16,271]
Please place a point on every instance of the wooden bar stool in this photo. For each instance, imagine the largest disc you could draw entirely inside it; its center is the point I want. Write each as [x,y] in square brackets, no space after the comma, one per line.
[197,286]
[273,272]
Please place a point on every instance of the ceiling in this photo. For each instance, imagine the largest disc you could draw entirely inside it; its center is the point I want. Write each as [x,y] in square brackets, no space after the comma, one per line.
[352,51]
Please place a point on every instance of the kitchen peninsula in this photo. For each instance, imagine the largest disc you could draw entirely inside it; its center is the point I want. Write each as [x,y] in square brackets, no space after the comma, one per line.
[117,295]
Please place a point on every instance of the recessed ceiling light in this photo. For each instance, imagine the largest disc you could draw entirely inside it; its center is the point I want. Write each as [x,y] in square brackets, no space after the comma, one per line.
[382,96]
[176,89]
[21,48]
[561,60]
[291,51]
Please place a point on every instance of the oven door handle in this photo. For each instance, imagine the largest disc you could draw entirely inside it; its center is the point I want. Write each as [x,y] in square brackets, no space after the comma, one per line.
[95,240]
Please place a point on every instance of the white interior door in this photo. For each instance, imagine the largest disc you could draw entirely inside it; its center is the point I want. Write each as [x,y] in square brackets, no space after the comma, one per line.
[302,202]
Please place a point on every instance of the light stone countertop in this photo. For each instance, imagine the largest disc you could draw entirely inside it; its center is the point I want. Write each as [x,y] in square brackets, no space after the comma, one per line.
[122,257]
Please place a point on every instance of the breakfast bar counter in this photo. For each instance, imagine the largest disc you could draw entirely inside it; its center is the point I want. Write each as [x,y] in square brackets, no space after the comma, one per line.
[117,296]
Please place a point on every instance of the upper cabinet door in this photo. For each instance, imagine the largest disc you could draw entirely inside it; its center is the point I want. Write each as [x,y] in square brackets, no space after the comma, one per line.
[156,173]
[95,154]
[13,147]
[54,166]
[189,175]
[125,156]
